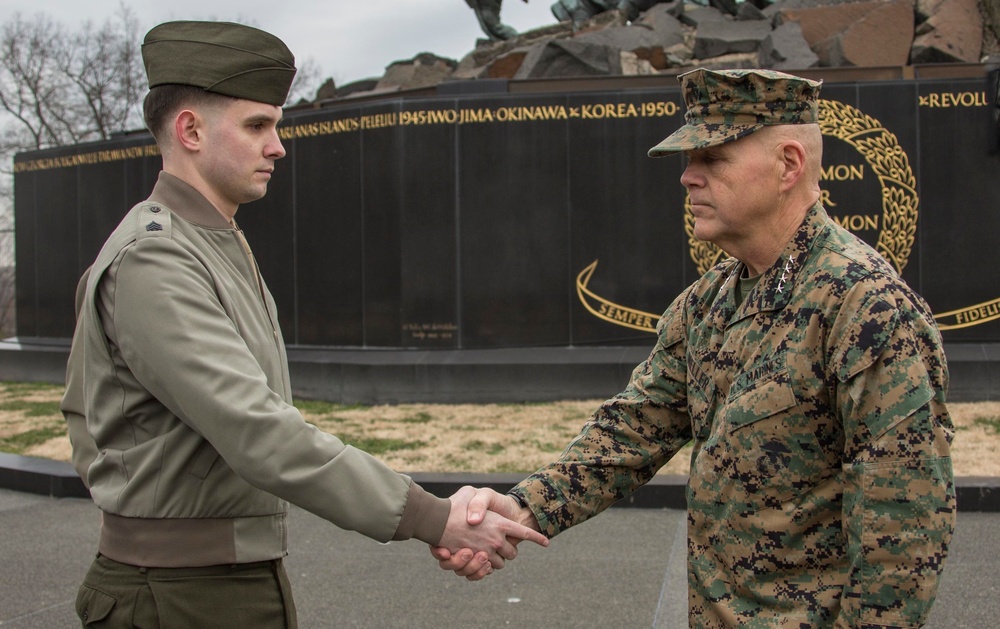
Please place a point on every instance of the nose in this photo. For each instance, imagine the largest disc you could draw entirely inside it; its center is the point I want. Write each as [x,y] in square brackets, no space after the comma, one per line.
[690,177]
[274,148]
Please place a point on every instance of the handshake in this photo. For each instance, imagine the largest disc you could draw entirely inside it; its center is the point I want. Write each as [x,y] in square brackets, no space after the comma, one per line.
[483,531]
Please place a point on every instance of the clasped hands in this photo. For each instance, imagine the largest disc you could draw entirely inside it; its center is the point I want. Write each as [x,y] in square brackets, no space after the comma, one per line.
[483,531]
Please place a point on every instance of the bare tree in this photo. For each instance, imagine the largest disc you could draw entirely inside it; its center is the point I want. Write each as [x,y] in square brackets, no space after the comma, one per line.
[57,88]
[64,88]
[306,82]
[60,87]
[105,67]
[7,304]
[29,81]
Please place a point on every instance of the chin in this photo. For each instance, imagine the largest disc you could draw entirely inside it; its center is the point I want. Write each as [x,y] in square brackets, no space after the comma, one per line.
[702,232]
[255,195]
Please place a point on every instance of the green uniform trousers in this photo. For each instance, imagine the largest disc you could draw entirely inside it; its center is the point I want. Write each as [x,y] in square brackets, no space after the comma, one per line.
[238,596]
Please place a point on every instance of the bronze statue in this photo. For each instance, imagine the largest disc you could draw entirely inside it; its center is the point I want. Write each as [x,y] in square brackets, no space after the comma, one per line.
[579,11]
[488,14]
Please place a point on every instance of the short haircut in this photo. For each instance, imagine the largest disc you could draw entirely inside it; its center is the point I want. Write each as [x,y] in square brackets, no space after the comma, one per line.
[163,101]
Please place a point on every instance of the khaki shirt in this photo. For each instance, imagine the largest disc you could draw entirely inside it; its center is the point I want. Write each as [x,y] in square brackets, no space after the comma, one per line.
[821,490]
[192,448]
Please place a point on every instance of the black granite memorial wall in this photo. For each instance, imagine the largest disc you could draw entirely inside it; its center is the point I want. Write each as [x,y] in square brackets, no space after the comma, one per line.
[524,220]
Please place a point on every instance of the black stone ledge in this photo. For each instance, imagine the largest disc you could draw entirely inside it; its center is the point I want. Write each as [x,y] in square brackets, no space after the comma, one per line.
[471,376]
[45,477]
[538,374]
[58,479]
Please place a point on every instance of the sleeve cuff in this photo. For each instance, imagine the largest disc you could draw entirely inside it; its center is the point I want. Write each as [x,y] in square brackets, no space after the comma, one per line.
[424,516]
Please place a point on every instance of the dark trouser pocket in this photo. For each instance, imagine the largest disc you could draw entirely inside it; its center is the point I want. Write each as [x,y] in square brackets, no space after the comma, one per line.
[92,605]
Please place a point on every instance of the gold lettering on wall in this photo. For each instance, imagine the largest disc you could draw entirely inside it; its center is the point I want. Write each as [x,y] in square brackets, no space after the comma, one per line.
[430,331]
[843,172]
[418,117]
[953,99]
[857,222]
[84,159]
[965,317]
[608,310]
[378,121]
[320,128]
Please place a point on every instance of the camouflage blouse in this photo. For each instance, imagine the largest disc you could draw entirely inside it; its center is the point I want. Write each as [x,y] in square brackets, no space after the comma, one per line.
[821,491]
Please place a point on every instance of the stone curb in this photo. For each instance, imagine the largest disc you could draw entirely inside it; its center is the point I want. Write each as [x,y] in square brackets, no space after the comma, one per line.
[58,479]
[476,376]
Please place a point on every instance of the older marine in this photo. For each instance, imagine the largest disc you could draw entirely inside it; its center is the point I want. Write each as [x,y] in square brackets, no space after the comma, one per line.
[808,376]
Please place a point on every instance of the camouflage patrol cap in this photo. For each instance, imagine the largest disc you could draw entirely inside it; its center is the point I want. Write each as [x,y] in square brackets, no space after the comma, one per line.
[726,105]
[220,57]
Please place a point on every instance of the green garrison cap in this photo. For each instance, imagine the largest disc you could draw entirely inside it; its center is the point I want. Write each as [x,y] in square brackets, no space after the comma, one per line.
[220,57]
[726,105]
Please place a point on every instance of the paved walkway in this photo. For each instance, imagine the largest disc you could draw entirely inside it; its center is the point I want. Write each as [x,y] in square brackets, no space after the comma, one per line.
[624,569]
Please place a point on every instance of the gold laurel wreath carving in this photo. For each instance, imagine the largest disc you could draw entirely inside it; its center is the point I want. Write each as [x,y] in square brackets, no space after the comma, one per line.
[888,161]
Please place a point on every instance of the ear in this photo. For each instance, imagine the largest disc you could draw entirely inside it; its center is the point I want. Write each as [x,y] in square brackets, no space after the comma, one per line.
[792,160]
[188,130]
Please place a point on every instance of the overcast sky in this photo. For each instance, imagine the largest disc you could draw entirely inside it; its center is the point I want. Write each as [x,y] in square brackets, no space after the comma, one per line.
[347,40]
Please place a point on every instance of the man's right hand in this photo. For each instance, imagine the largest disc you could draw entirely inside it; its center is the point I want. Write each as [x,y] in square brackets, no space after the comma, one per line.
[480,502]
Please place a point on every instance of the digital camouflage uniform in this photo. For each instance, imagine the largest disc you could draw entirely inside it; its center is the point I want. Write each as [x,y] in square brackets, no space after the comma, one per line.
[820,484]
[821,490]
[723,106]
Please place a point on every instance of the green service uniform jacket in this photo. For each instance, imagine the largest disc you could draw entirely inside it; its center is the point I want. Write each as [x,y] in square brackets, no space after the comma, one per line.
[190,444]
[821,490]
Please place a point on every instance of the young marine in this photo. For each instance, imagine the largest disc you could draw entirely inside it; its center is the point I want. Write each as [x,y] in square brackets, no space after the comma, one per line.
[178,398]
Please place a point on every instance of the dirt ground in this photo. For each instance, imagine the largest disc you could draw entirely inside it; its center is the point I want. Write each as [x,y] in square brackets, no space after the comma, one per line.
[515,438]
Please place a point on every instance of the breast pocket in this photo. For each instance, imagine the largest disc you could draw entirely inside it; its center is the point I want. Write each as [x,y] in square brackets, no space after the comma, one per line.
[772,453]
[701,396]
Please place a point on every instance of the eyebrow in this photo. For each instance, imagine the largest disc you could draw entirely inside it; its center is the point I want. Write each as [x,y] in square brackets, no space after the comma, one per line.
[259,118]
